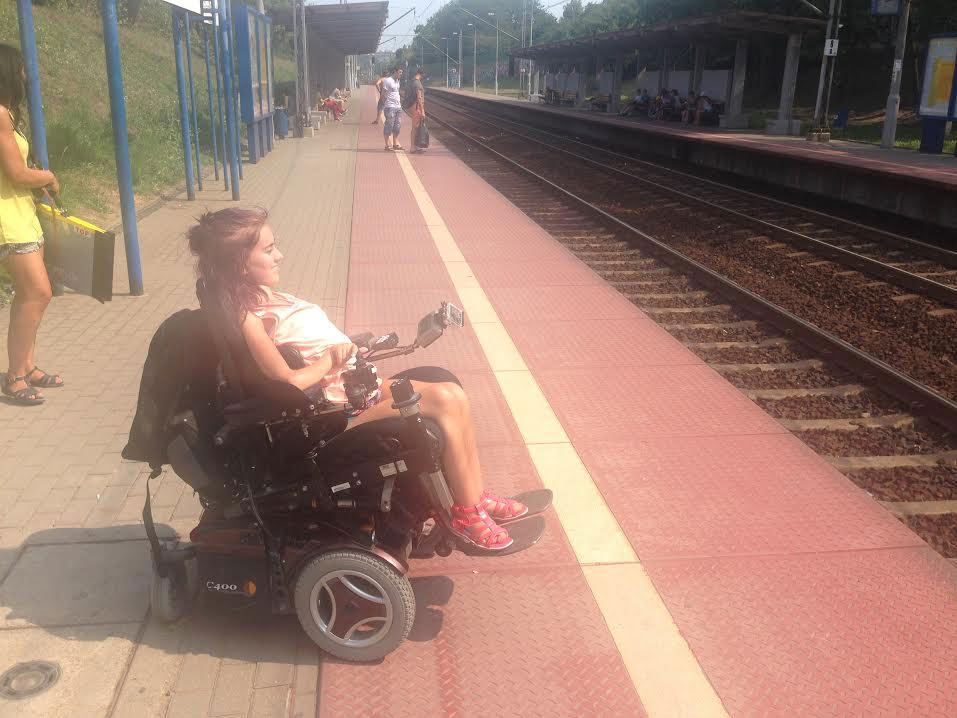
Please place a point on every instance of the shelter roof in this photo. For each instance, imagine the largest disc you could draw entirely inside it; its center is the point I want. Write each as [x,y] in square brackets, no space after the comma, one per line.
[732,25]
[353,28]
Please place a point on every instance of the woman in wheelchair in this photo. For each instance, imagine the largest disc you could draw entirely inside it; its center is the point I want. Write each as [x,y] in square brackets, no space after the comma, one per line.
[239,262]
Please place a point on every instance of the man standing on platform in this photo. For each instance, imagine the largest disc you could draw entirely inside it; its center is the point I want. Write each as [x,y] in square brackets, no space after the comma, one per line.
[418,112]
[393,110]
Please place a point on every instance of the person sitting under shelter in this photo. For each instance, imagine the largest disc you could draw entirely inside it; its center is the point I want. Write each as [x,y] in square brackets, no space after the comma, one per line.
[704,109]
[239,262]
[335,107]
[639,103]
[689,108]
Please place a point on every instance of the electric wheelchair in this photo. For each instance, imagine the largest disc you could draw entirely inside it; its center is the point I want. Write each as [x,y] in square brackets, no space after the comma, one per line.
[300,513]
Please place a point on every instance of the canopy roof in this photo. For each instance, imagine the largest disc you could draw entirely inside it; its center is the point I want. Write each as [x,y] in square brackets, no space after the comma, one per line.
[733,25]
[353,28]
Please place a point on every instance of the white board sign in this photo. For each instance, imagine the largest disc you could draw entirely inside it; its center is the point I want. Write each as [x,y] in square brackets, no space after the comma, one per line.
[192,5]
[938,76]
[830,47]
[885,7]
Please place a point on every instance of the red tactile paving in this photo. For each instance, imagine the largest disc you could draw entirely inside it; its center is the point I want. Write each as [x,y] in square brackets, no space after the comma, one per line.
[862,633]
[392,306]
[596,343]
[796,593]
[561,272]
[507,643]
[552,303]
[622,403]
[369,277]
[735,495]
[411,249]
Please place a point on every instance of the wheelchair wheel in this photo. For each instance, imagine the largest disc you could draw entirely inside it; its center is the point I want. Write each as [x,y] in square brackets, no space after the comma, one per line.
[171,596]
[354,605]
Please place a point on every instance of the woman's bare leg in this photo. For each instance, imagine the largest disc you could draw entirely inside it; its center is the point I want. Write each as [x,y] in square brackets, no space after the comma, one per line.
[33,294]
[448,405]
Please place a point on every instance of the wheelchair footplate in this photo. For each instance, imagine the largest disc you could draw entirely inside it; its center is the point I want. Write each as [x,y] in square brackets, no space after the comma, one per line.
[525,533]
[537,501]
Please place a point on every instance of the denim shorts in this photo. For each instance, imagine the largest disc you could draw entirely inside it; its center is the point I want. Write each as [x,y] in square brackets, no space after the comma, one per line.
[393,121]
[8,248]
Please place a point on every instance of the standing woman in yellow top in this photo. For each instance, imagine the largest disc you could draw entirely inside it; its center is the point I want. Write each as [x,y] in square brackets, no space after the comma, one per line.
[21,239]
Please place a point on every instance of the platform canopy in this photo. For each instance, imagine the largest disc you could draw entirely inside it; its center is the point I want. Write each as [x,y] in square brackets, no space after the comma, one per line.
[733,25]
[353,28]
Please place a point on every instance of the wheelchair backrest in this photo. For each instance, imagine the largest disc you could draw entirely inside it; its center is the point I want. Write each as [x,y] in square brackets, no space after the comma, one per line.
[243,389]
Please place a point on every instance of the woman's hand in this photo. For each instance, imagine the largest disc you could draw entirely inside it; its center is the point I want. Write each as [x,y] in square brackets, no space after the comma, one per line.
[54,184]
[341,353]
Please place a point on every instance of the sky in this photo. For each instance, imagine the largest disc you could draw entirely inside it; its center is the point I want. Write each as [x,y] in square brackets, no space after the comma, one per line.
[424,9]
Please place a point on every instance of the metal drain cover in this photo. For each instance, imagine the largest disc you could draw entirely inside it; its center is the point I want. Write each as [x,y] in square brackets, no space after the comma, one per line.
[25,680]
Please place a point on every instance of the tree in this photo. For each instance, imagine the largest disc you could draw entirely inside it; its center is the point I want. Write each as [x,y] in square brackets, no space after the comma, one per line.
[572,11]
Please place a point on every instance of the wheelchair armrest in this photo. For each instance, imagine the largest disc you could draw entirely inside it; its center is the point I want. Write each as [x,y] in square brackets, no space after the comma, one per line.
[273,401]
[294,360]
[292,356]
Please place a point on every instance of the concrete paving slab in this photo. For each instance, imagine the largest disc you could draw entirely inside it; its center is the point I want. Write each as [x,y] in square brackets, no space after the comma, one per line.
[92,660]
[76,584]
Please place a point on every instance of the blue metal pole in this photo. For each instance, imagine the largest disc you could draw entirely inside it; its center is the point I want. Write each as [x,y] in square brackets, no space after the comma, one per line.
[183,114]
[209,95]
[28,46]
[121,145]
[233,98]
[232,145]
[254,130]
[220,117]
[192,103]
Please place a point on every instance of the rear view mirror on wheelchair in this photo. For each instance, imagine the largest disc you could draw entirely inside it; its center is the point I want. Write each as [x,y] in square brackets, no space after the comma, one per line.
[301,513]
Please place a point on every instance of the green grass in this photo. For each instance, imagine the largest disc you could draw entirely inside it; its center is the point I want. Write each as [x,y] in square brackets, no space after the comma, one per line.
[907,136]
[77,109]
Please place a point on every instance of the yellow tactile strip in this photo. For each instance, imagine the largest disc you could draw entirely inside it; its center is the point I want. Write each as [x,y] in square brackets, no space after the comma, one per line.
[666,675]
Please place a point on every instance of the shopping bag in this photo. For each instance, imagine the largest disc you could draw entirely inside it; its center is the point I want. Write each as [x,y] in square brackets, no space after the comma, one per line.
[422,135]
[78,255]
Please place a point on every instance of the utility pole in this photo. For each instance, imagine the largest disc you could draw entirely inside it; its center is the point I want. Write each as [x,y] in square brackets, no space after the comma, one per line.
[889,134]
[492,14]
[474,53]
[446,62]
[459,73]
[825,61]
[531,28]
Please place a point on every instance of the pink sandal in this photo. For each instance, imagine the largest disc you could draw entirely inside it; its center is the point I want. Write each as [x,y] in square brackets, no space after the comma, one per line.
[502,509]
[473,525]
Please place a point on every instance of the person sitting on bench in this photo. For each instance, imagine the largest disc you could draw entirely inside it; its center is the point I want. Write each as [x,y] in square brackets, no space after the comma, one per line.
[638,103]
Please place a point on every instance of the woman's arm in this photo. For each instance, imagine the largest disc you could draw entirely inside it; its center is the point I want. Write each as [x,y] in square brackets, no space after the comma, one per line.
[272,364]
[12,164]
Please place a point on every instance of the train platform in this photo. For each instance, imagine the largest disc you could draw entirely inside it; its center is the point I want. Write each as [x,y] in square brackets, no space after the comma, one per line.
[899,181]
[699,559]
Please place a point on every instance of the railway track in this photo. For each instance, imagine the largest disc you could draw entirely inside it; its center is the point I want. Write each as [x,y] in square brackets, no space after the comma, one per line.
[889,432]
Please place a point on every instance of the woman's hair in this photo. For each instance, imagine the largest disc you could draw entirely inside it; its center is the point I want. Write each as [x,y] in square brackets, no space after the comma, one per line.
[222,242]
[11,80]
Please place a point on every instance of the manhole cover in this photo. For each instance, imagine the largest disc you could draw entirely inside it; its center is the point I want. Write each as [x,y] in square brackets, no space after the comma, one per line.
[28,679]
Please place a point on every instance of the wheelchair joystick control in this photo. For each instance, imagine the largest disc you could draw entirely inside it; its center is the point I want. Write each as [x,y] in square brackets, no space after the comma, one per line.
[406,399]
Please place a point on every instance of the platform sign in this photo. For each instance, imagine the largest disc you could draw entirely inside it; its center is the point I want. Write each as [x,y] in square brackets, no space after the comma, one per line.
[830,48]
[885,7]
[254,58]
[194,6]
[940,67]
[210,16]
